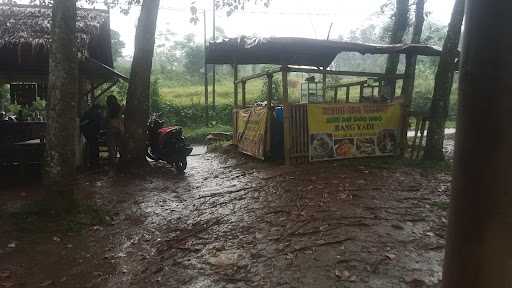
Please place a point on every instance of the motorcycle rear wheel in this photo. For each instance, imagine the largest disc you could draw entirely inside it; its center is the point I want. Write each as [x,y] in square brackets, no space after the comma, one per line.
[181,165]
[150,155]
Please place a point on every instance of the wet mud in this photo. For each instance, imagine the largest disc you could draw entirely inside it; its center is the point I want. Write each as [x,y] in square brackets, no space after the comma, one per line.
[231,221]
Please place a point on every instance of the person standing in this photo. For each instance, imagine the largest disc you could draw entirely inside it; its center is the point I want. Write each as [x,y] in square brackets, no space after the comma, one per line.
[90,126]
[114,126]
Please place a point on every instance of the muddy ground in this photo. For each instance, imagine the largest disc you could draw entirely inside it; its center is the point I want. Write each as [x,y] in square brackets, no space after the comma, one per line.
[231,221]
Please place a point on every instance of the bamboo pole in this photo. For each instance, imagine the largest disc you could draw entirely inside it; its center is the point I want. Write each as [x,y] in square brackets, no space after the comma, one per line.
[286,115]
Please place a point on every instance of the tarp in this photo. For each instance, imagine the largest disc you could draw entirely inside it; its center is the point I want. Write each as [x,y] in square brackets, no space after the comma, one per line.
[252,128]
[299,51]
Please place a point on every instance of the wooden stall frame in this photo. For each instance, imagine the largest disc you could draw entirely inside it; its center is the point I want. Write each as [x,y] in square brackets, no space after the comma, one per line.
[284,70]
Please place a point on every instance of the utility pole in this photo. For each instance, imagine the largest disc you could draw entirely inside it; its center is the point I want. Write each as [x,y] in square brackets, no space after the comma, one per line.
[205,72]
[213,66]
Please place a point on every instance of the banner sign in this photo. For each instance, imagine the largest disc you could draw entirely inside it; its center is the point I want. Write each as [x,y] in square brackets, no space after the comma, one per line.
[340,131]
[252,127]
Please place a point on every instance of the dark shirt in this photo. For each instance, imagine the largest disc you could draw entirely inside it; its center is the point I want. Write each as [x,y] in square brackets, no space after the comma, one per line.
[91,122]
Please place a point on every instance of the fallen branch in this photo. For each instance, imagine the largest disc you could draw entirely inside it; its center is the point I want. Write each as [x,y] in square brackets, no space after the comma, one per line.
[320,245]
[227,192]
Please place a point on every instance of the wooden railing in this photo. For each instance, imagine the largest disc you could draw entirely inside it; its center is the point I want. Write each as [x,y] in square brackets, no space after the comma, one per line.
[299,133]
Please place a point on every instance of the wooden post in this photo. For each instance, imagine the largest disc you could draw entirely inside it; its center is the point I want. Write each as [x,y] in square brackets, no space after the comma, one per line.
[478,250]
[206,112]
[268,142]
[235,104]
[324,84]
[361,92]
[213,66]
[244,84]
[235,80]
[407,94]
[286,116]
[335,94]
[347,96]
[270,77]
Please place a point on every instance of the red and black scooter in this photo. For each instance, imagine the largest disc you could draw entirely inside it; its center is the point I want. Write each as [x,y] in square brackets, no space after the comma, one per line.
[167,144]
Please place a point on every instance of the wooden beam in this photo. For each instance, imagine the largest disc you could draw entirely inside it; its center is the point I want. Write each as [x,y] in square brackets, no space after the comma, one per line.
[286,116]
[343,85]
[259,75]
[345,73]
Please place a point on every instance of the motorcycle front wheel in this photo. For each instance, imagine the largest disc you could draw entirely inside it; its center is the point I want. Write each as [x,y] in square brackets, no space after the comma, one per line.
[181,165]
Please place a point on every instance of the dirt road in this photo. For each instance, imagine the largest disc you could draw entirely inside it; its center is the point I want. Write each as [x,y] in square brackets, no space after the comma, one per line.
[234,222]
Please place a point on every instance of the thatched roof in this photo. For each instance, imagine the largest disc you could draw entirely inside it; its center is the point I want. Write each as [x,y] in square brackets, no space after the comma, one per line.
[25,39]
[30,24]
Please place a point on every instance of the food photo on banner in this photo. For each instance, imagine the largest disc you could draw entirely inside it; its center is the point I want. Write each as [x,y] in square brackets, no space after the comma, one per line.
[345,131]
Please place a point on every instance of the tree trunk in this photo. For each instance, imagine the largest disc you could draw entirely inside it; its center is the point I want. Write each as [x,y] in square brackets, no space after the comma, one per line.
[478,252]
[410,71]
[400,24]
[410,66]
[443,86]
[137,101]
[61,151]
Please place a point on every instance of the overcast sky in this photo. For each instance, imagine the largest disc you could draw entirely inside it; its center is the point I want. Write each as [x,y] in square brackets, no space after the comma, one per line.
[301,18]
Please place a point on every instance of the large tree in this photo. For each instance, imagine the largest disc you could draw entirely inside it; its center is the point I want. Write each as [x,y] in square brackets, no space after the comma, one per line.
[137,101]
[478,251]
[443,86]
[62,106]
[400,25]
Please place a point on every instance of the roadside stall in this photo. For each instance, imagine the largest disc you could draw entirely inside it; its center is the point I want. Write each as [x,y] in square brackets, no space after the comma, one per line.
[320,127]
[24,66]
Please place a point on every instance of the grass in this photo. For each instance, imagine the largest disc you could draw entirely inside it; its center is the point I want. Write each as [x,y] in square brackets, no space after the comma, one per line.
[187,95]
[197,135]
[184,105]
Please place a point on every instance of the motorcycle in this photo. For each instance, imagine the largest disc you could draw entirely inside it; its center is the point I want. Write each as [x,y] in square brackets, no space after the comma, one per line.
[167,144]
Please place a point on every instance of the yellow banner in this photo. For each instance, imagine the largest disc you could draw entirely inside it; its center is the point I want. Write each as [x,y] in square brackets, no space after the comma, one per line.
[252,126]
[340,131]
